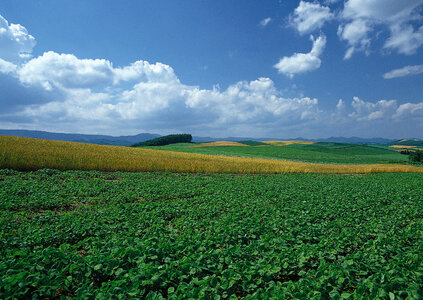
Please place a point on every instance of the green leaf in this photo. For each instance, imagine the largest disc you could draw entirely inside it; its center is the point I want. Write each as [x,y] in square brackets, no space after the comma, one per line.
[349,262]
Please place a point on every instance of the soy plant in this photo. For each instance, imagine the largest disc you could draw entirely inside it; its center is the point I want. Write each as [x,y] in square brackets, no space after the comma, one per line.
[166,235]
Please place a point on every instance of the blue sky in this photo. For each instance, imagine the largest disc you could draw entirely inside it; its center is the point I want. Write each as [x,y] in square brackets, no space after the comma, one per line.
[213,68]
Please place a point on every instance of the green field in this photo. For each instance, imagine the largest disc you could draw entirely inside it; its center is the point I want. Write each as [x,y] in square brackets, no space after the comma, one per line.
[178,236]
[316,153]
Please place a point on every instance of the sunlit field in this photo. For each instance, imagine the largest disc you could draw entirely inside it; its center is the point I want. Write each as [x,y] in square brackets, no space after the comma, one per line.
[320,153]
[161,235]
[32,154]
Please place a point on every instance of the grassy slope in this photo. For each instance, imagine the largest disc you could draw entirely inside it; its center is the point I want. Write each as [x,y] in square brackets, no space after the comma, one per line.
[33,154]
[417,143]
[129,235]
[315,153]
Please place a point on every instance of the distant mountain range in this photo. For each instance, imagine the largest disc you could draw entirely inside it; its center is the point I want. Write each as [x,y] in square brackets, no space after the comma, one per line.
[132,139]
[83,138]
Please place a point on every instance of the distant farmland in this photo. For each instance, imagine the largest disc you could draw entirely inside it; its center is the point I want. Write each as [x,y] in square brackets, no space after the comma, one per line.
[33,154]
[321,153]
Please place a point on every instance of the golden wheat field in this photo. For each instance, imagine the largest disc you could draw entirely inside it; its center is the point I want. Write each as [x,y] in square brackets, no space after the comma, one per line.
[32,154]
[404,147]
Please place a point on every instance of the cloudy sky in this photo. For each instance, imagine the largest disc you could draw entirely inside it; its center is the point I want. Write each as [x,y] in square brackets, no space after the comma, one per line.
[273,68]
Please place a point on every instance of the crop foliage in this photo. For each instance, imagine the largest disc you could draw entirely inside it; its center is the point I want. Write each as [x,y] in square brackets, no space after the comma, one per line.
[160,235]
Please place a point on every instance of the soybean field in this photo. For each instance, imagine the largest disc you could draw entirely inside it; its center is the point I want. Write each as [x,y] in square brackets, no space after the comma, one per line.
[158,235]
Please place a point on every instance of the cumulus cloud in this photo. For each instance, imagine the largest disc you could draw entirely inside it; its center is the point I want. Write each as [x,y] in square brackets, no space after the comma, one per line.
[165,103]
[341,105]
[302,62]
[410,111]
[308,17]
[62,92]
[369,111]
[7,67]
[385,118]
[92,93]
[388,116]
[67,71]
[405,71]
[356,33]
[15,42]
[265,22]
[156,100]
[360,17]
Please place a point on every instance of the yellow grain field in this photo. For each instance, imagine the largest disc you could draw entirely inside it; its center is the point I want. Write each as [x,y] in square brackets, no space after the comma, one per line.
[400,148]
[285,143]
[403,147]
[32,154]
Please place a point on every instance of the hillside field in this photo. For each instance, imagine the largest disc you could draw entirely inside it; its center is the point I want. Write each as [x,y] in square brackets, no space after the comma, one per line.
[28,154]
[332,153]
[178,236]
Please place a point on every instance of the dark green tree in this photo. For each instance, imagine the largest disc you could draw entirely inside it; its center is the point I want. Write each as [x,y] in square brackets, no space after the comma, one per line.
[166,140]
[416,157]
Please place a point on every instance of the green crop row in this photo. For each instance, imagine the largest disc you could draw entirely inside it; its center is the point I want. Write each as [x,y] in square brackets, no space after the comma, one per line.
[178,236]
[315,153]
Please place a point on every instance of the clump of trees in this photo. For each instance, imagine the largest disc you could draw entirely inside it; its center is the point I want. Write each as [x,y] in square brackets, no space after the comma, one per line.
[416,157]
[166,140]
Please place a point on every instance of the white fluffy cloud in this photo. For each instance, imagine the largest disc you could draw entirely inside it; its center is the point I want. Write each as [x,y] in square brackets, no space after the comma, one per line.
[405,39]
[92,93]
[368,111]
[409,111]
[61,92]
[308,17]
[67,71]
[302,62]
[356,33]
[405,71]
[155,100]
[265,22]
[7,67]
[362,16]
[15,42]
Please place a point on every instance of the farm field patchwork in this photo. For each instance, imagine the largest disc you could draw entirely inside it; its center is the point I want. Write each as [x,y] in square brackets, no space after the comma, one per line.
[28,154]
[333,153]
[164,235]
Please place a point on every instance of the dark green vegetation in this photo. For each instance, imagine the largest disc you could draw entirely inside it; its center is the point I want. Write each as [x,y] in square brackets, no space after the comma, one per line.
[317,153]
[166,140]
[416,157]
[252,143]
[153,235]
[417,143]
